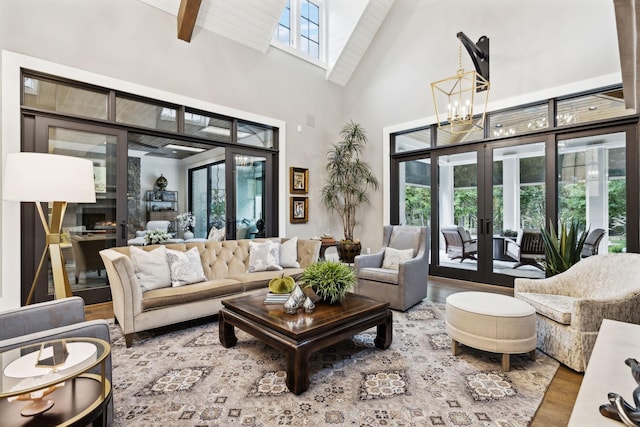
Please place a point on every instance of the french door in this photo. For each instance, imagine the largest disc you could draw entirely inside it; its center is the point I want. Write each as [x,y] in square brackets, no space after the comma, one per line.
[251,182]
[87,227]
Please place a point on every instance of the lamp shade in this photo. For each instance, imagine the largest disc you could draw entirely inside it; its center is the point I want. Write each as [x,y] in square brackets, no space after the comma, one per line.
[39,177]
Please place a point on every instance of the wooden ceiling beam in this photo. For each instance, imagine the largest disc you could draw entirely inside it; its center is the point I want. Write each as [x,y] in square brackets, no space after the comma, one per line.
[187,16]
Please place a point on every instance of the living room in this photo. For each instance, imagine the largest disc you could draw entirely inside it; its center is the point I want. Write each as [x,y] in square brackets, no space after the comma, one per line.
[538,53]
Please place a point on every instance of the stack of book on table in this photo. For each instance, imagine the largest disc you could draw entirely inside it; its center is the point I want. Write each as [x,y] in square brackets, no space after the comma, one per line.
[273,298]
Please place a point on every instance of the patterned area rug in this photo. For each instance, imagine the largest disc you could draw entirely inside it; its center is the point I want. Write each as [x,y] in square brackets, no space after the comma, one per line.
[182,376]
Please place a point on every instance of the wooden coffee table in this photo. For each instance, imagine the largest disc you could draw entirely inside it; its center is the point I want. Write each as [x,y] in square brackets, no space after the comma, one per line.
[299,335]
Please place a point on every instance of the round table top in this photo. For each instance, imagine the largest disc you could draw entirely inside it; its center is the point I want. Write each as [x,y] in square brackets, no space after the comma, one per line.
[23,370]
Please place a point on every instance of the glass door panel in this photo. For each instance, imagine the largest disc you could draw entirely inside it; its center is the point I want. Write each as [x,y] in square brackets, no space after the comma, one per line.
[208,200]
[592,186]
[87,227]
[458,211]
[518,193]
[249,185]
[415,192]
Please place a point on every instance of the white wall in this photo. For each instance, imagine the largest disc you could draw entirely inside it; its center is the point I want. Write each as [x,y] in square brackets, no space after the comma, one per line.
[538,50]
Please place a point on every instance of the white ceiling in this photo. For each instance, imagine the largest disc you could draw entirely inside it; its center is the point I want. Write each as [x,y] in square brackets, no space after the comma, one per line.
[352,25]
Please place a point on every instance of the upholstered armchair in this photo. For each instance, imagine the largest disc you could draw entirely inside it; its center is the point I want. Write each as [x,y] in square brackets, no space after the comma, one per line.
[398,272]
[63,318]
[527,249]
[86,252]
[570,306]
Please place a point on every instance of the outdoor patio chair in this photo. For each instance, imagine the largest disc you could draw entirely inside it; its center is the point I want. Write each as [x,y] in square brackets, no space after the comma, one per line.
[527,249]
[592,243]
[459,243]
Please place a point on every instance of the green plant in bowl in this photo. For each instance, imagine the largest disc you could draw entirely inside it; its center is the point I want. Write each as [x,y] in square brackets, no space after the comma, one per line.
[330,280]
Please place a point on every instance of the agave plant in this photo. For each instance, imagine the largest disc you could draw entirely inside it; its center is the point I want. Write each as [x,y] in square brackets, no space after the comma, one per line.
[562,249]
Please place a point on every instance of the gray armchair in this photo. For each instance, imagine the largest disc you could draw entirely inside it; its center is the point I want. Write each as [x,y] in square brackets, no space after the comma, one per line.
[402,287]
[52,320]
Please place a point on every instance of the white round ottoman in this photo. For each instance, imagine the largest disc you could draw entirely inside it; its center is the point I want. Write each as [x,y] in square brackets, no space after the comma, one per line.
[491,322]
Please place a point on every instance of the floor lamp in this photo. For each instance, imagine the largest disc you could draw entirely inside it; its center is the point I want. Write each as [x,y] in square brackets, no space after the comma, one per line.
[38,177]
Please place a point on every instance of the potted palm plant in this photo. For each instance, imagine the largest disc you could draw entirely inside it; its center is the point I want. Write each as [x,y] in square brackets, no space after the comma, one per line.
[348,181]
[562,249]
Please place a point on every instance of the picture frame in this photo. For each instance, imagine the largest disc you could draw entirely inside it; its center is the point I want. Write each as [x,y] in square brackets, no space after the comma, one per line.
[299,180]
[299,212]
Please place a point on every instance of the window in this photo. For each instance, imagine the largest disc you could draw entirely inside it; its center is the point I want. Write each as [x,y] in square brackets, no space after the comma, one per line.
[300,28]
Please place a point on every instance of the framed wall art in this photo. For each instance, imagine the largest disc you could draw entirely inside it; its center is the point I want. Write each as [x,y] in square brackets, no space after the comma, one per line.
[299,210]
[299,180]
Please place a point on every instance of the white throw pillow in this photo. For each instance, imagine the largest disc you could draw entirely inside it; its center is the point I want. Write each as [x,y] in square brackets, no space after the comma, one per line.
[185,267]
[151,268]
[393,257]
[289,253]
[264,256]
[217,235]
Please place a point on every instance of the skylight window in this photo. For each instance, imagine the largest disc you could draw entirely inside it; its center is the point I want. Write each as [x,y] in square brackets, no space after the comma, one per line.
[300,28]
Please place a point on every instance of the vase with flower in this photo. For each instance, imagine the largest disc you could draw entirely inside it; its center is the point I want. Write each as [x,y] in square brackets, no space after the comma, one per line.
[186,222]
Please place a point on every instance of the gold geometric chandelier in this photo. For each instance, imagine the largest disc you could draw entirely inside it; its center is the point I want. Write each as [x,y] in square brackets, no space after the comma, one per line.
[461,101]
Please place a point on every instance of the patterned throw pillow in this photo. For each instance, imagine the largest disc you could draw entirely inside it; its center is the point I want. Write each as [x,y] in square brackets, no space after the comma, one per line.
[264,256]
[185,267]
[289,253]
[151,268]
[217,235]
[393,257]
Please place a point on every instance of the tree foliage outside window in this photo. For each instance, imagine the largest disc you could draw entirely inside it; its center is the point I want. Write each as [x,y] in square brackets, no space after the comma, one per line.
[417,205]
[532,208]
[465,207]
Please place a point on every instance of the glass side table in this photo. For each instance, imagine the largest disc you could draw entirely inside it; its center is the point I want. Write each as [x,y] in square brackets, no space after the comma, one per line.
[49,383]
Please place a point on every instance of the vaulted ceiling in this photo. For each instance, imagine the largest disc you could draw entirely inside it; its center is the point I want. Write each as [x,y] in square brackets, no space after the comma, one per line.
[352,25]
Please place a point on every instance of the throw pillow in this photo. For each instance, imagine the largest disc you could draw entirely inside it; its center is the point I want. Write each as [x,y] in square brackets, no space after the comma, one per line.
[264,256]
[393,257]
[185,267]
[151,268]
[217,235]
[289,253]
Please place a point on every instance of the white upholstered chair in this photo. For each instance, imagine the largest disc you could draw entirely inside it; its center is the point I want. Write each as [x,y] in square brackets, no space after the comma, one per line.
[405,284]
[570,306]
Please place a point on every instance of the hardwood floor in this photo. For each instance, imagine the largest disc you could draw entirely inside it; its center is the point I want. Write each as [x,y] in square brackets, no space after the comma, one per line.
[558,402]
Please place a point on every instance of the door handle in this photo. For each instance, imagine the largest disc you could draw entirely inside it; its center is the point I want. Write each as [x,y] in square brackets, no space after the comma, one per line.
[123,230]
[488,227]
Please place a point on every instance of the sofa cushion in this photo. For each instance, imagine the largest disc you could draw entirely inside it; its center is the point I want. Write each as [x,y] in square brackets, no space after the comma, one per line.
[264,256]
[555,307]
[164,297]
[383,275]
[393,257]
[289,253]
[151,268]
[185,267]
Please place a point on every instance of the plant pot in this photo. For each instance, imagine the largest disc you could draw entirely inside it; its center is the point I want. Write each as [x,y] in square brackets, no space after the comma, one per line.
[188,235]
[348,251]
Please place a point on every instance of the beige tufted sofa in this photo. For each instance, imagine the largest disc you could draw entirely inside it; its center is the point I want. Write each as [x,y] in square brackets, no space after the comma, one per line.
[571,306]
[225,265]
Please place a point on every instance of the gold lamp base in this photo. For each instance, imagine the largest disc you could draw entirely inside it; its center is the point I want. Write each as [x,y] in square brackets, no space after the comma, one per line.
[62,288]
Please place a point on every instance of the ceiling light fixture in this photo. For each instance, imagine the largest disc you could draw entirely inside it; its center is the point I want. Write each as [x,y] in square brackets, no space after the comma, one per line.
[464,95]
[184,148]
